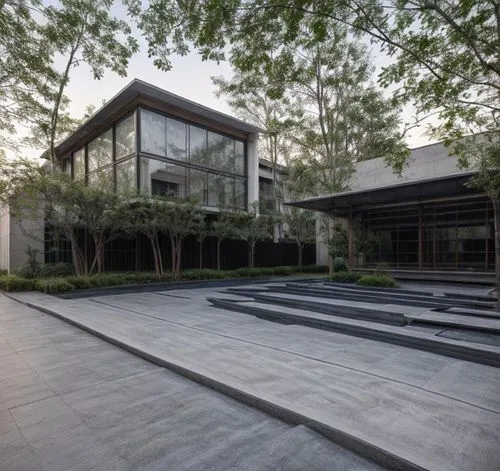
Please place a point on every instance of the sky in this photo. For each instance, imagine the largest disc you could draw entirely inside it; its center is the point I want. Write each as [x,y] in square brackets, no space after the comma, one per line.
[190,78]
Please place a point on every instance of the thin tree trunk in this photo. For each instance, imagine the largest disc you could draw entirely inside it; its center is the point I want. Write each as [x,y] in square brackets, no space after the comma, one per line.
[173,254]
[155,255]
[251,260]
[160,258]
[178,259]
[77,262]
[496,217]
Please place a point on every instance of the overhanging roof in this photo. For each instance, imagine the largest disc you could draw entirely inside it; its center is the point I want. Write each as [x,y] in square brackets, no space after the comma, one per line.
[137,89]
[406,192]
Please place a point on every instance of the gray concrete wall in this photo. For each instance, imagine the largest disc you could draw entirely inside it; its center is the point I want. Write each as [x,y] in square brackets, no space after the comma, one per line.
[424,162]
[4,238]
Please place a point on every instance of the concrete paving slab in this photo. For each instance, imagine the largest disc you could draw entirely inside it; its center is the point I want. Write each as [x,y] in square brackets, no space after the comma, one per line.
[142,418]
[400,418]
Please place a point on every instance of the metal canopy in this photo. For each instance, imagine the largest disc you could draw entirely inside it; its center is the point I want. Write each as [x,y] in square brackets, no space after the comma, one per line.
[400,193]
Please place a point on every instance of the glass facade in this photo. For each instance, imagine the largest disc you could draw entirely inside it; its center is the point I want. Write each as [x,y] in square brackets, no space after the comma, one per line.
[175,159]
[449,236]
[188,160]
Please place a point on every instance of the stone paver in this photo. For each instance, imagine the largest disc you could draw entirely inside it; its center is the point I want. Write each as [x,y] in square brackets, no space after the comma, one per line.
[437,412]
[70,401]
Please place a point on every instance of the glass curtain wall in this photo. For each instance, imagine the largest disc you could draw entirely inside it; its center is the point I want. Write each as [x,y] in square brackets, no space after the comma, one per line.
[185,160]
[455,236]
[177,159]
[110,160]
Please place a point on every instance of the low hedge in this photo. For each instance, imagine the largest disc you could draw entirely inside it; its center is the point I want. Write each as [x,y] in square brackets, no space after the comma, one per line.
[53,285]
[346,277]
[16,283]
[69,283]
[384,281]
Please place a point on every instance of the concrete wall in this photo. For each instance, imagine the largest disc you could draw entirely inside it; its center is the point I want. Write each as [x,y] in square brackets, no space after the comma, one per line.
[253,169]
[4,238]
[14,240]
[424,162]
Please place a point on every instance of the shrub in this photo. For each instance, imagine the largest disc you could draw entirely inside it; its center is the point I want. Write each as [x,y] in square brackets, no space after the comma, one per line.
[16,283]
[48,270]
[313,269]
[53,285]
[109,279]
[79,282]
[204,274]
[345,277]
[377,280]
[339,265]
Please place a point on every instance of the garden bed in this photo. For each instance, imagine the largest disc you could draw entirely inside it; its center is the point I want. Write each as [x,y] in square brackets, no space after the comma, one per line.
[77,286]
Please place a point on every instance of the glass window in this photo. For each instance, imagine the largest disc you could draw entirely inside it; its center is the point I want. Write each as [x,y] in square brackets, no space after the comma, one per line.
[220,190]
[197,145]
[126,176]
[162,178]
[198,185]
[215,151]
[228,152]
[102,179]
[125,137]
[176,139]
[100,151]
[153,131]
[239,158]
[79,164]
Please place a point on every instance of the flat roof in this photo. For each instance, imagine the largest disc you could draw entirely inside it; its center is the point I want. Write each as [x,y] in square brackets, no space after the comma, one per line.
[410,191]
[140,89]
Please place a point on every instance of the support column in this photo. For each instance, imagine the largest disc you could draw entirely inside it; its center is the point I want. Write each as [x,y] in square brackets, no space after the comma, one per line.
[350,242]
[252,169]
[420,237]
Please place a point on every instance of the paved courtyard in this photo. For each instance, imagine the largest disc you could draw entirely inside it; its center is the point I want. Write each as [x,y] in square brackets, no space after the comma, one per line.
[417,409]
[71,401]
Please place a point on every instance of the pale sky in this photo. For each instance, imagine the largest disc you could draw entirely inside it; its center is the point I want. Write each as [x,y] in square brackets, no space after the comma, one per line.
[189,78]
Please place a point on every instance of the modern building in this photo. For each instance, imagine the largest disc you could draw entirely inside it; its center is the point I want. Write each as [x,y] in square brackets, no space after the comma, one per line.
[149,140]
[425,221]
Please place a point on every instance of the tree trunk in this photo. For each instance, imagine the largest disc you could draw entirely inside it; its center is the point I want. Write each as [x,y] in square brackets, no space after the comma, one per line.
[219,241]
[178,256]
[251,258]
[496,217]
[77,262]
[155,255]
[173,253]
[158,254]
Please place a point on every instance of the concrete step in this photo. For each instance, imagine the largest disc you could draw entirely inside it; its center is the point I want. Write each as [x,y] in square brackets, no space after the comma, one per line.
[380,298]
[372,315]
[485,354]
[300,446]
[456,320]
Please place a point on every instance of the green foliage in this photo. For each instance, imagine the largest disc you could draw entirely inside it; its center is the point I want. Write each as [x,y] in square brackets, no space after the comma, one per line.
[16,283]
[56,270]
[377,280]
[79,282]
[339,264]
[345,277]
[32,267]
[53,285]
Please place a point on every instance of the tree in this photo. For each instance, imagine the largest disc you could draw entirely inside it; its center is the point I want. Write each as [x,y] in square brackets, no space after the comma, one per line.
[141,215]
[223,228]
[179,218]
[202,233]
[444,57]
[251,228]
[36,37]
[301,226]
